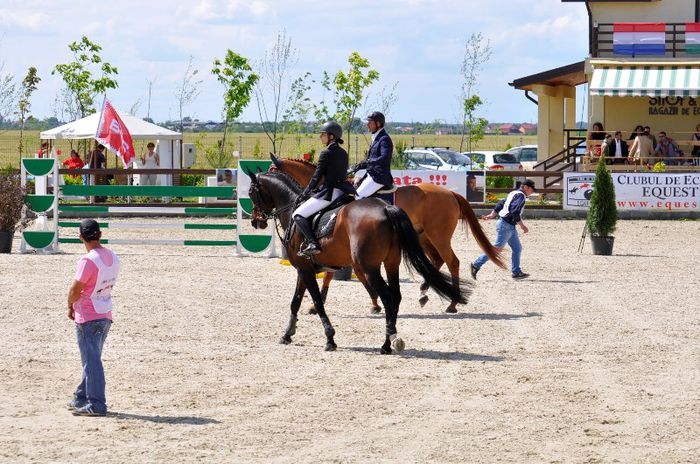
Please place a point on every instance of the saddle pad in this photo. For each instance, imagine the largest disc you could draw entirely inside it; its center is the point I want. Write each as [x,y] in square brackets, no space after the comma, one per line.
[388,197]
[324,222]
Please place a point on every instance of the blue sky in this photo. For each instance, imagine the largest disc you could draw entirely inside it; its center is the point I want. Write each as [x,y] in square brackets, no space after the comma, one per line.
[418,43]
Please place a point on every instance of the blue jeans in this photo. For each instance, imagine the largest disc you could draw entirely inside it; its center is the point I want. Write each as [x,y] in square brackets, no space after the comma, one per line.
[505,233]
[91,338]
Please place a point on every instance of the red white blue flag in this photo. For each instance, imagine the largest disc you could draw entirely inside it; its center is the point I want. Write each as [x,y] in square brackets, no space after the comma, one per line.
[639,38]
[113,134]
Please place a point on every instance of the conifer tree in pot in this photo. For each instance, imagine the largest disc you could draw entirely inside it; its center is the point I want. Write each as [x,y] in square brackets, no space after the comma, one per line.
[11,203]
[602,212]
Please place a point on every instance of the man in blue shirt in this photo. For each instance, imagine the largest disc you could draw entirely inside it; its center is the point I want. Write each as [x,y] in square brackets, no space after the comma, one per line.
[509,211]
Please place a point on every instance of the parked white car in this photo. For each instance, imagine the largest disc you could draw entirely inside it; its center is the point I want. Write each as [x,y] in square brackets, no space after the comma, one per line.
[526,155]
[495,160]
[440,159]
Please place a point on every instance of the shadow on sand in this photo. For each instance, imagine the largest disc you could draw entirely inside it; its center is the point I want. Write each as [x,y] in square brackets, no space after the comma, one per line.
[432,354]
[175,420]
[477,316]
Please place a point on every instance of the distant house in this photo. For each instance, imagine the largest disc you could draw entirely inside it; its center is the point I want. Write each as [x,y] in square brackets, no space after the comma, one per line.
[505,129]
[528,129]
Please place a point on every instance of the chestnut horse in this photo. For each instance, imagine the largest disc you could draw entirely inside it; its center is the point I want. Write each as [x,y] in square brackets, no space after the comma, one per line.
[434,211]
[367,234]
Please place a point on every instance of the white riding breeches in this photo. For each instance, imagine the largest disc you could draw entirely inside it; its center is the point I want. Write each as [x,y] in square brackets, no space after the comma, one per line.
[368,187]
[314,205]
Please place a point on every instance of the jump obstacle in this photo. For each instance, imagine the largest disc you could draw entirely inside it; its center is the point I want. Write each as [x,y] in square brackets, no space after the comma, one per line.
[46,240]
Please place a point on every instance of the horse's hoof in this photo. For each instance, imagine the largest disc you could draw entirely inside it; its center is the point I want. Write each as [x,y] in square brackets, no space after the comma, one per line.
[451,310]
[423,300]
[375,310]
[385,350]
[398,344]
[330,347]
[285,340]
[312,310]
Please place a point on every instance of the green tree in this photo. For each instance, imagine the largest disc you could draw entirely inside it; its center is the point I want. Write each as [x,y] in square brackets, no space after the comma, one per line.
[8,91]
[477,52]
[347,89]
[238,80]
[299,108]
[81,86]
[188,90]
[602,211]
[28,86]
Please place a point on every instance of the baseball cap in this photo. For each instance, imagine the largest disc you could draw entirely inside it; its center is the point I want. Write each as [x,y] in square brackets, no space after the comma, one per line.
[89,229]
[530,183]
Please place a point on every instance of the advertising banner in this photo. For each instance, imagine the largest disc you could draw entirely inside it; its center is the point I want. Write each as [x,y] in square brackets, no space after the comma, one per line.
[638,191]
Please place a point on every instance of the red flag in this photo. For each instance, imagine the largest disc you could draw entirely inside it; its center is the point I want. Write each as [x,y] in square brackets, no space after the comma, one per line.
[113,134]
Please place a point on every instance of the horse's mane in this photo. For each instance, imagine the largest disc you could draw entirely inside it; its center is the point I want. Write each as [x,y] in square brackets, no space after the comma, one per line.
[285,179]
[304,162]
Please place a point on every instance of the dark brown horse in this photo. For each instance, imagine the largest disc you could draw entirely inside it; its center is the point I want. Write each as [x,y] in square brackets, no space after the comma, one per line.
[367,234]
[434,211]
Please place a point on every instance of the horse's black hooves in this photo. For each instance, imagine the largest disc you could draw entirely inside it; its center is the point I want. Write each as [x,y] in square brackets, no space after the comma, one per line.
[451,310]
[423,300]
[330,347]
[285,340]
[375,310]
[384,350]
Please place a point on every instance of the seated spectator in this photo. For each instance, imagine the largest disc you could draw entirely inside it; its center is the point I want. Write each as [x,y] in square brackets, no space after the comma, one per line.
[596,134]
[647,129]
[605,148]
[619,151]
[642,148]
[667,149]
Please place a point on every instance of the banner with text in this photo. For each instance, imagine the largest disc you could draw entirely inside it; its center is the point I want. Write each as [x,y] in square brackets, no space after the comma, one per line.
[451,180]
[638,191]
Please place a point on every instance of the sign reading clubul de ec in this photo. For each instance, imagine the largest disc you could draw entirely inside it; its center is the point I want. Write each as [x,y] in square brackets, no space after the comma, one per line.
[639,191]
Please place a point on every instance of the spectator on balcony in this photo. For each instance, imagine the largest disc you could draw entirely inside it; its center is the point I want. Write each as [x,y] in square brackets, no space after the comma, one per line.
[696,147]
[647,129]
[638,130]
[667,149]
[595,138]
[619,151]
[642,148]
[605,148]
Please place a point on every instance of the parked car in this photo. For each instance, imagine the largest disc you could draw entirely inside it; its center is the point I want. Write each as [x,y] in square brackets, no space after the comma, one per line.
[526,155]
[495,160]
[440,159]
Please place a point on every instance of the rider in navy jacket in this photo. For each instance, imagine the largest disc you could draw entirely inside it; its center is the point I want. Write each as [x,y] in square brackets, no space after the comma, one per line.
[378,162]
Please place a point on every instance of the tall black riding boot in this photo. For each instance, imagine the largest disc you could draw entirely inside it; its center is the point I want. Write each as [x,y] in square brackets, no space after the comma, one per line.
[312,247]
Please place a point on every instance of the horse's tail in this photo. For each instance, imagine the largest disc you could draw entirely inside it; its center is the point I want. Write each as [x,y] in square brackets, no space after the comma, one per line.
[468,217]
[415,258]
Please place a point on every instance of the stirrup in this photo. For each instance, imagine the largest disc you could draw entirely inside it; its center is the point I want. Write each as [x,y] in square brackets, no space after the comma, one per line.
[309,250]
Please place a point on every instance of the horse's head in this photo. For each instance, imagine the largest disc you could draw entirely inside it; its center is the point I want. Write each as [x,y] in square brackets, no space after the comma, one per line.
[263,204]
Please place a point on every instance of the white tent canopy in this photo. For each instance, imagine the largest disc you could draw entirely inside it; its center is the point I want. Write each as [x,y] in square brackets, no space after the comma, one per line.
[87,127]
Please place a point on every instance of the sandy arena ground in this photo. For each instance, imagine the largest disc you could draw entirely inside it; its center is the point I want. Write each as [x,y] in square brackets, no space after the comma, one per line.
[592,359]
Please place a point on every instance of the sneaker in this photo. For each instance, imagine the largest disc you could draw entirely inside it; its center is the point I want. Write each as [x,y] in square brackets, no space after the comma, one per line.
[520,275]
[88,410]
[474,270]
[74,404]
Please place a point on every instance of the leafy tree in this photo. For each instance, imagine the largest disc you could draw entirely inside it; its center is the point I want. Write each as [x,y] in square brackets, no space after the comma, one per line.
[81,87]
[188,91]
[238,80]
[299,107]
[8,91]
[347,89]
[477,52]
[272,87]
[28,86]
[602,212]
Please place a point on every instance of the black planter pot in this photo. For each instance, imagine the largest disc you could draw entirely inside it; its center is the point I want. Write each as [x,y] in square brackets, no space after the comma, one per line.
[602,245]
[343,274]
[6,241]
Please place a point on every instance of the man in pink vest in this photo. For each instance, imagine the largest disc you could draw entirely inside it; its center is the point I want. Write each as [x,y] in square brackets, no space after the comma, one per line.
[90,306]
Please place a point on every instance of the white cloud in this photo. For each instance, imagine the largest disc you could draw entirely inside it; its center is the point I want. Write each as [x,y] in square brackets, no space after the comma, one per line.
[23,19]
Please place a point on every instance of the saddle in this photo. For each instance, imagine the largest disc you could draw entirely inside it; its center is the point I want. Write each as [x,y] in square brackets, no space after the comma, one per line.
[323,222]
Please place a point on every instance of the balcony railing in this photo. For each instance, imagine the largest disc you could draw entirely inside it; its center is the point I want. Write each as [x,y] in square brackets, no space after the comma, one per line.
[602,43]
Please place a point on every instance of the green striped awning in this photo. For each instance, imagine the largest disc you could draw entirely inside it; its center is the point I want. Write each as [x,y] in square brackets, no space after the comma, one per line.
[641,81]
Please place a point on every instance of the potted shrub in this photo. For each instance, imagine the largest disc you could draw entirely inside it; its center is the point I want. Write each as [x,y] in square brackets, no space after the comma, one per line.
[11,203]
[602,212]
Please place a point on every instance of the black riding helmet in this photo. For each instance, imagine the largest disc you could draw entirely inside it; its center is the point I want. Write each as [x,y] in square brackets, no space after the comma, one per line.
[377,117]
[332,127]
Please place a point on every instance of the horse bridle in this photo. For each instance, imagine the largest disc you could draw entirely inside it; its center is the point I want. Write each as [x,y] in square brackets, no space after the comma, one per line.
[260,215]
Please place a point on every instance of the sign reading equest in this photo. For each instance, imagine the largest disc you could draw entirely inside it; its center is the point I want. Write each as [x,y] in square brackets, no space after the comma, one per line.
[640,191]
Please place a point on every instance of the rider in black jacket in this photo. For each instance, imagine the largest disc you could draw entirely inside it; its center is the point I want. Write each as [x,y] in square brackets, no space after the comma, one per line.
[378,162]
[333,167]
